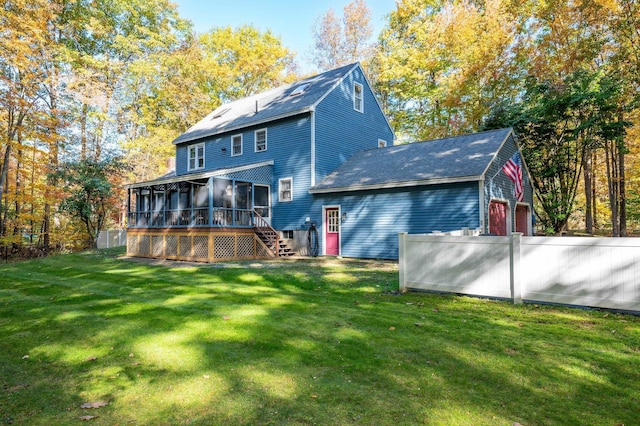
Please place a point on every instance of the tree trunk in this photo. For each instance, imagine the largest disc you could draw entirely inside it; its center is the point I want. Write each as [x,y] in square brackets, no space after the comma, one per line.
[622,200]
[612,184]
[588,191]
[3,181]
[83,132]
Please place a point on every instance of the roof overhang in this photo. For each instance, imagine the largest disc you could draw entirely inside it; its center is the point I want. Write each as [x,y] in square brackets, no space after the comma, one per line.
[391,185]
[193,176]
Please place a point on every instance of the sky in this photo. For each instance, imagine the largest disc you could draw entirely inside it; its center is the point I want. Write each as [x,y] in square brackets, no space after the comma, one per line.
[292,20]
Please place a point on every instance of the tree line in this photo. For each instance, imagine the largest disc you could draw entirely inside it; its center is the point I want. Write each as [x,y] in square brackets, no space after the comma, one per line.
[98,89]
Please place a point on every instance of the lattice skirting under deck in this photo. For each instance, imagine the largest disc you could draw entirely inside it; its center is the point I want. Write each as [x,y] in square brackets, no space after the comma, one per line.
[199,246]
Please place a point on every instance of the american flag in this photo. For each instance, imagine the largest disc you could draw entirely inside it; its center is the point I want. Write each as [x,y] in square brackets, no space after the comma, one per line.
[513,169]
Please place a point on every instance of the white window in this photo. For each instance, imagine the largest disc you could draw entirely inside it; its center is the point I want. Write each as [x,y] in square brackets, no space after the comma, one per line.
[285,189]
[236,145]
[382,143]
[358,100]
[261,140]
[196,157]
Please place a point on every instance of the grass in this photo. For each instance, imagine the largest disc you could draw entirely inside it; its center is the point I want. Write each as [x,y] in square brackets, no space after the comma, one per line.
[297,343]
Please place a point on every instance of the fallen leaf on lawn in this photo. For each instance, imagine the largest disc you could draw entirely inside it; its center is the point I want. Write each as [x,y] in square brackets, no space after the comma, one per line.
[25,357]
[226,318]
[131,355]
[392,328]
[417,324]
[97,404]
[314,396]
[87,418]
[91,358]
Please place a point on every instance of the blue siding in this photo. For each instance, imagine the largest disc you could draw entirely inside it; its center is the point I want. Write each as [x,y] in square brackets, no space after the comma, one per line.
[342,131]
[374,218]
[499,187]
[288,145]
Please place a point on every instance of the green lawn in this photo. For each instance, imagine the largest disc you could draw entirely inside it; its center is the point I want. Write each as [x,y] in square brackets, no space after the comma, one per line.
[297,342]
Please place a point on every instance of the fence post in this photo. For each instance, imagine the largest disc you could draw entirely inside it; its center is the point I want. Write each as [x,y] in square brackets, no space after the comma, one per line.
[516,290]
[402,259]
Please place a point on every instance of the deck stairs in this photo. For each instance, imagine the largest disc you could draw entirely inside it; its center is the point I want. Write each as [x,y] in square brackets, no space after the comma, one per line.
[270,237]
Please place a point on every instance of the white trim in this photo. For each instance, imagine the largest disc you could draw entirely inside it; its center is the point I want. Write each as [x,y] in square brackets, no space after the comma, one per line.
[255,140]
[495,156]
[313,147]
[290,190]
[202,175]
[388,185]
[361,86]
[189,148]
[241,143]
[324,228]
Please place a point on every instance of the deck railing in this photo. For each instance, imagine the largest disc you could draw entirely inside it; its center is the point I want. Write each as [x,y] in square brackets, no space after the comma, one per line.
[195,217]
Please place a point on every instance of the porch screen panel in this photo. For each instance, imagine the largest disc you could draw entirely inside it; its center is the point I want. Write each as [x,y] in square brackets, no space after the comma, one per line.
[261,200]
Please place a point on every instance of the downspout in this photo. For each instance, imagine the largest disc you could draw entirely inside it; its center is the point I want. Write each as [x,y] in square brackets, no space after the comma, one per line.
[313,147]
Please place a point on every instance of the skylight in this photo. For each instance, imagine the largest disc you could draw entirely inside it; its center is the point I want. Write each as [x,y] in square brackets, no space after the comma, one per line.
[298,90]
[220,113]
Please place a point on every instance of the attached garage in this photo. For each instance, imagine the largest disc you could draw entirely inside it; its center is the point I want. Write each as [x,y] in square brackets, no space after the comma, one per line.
[422,187]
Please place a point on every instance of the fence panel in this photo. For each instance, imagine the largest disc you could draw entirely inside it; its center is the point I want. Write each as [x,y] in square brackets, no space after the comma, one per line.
[596,272]
[582,271]
[469,265]
[113,238]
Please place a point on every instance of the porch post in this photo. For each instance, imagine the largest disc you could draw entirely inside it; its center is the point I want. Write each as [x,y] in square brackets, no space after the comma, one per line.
[210,188]
[516,290]
[402,261]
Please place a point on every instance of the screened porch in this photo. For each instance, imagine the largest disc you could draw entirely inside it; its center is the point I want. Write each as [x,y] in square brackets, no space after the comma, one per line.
[204,202]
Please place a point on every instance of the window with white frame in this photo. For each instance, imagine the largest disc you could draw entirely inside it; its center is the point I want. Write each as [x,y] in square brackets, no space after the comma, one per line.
[358,97]
[382,143]
[196,157]
[285,189]
[261,140]
[236,145]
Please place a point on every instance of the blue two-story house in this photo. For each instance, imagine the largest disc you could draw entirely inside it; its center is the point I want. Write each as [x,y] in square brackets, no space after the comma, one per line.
[310,168]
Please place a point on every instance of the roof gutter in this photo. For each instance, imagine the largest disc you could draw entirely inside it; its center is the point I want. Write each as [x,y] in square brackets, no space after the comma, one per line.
[192,176]
[390,185]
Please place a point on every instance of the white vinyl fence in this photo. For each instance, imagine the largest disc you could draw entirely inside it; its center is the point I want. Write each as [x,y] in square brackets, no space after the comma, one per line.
[114,238]
[595,272]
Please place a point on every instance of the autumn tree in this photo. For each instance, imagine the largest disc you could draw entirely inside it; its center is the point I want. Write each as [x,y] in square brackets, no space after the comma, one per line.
[343,41]
[443,64]
[89,193]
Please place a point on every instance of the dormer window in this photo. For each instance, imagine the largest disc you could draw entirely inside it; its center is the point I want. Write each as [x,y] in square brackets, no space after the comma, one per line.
[358,98]
[382,143]
[300,89]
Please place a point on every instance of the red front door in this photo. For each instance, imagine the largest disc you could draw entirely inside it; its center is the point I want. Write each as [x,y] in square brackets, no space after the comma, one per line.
[332,232]
[522,216]
[498,218]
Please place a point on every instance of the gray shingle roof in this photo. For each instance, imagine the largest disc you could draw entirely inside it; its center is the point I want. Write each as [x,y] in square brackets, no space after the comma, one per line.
[454,159]
[271,105]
